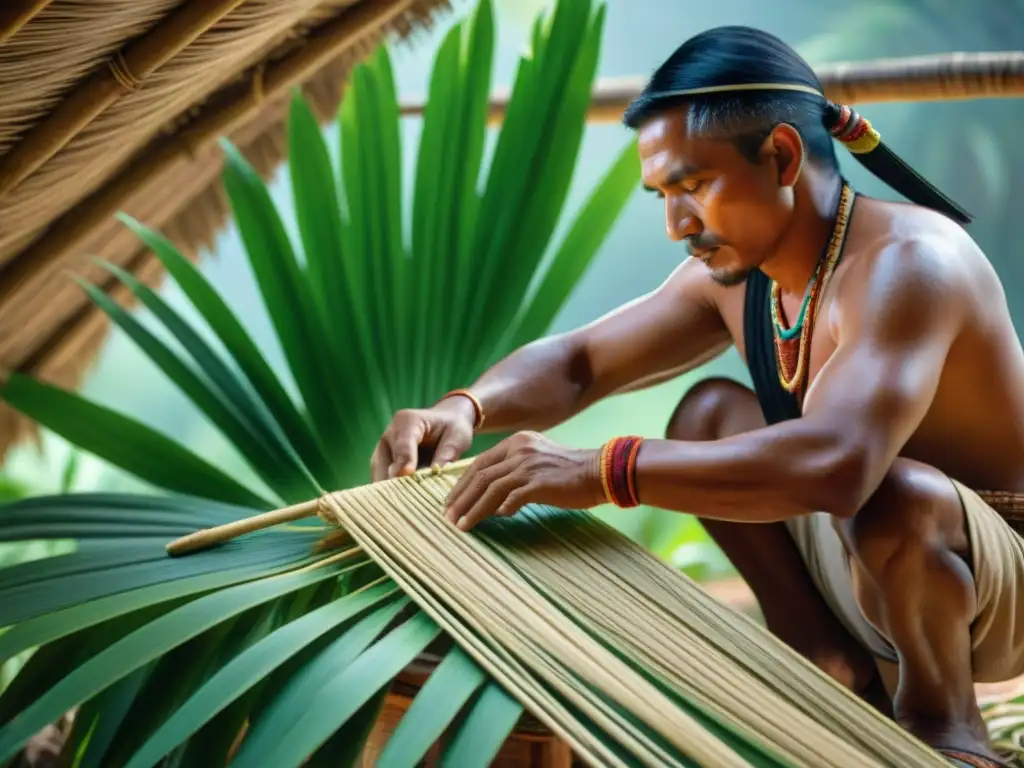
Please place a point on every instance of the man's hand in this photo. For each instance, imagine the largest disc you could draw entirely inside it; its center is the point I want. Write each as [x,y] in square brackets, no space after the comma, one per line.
[442,433]
[526,468]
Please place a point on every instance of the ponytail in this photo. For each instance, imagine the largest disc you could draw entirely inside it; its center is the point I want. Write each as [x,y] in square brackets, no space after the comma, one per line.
[866,145]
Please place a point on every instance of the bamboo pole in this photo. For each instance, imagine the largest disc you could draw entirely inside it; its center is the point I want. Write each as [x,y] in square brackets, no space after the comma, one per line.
[941,77]
[15,14]
[224,112]
[123,74]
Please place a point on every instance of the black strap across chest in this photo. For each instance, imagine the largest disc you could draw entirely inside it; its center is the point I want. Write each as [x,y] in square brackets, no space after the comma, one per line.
[776,403]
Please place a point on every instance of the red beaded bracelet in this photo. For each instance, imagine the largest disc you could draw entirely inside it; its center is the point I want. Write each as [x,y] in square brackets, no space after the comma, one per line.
[618,470]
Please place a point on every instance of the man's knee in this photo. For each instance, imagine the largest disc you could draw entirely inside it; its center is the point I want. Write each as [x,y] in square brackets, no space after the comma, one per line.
[915,509]
[706,409]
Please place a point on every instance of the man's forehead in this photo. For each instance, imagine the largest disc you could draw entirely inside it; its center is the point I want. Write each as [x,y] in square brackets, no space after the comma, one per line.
[666,149]
[666,167]
[667,127]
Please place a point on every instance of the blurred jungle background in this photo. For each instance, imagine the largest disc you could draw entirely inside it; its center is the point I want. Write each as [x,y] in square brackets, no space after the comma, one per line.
[969,148]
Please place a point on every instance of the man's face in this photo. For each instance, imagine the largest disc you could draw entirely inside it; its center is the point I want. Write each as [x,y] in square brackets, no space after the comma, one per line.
[729,212]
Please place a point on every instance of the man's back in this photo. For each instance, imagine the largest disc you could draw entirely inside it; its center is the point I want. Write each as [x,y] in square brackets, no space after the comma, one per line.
[973,428]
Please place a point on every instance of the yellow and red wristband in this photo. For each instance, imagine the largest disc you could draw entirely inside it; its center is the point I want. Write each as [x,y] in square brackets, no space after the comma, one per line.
[618,470]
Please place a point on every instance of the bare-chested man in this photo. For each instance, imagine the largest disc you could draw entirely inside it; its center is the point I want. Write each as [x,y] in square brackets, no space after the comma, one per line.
[907,392]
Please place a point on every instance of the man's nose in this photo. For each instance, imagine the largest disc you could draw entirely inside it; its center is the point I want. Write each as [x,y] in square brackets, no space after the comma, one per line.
[680,224]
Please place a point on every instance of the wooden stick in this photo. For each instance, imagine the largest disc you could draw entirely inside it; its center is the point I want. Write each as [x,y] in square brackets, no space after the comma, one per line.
[123,74]
[15,14]
[208,537]
[942,77]
[225,111]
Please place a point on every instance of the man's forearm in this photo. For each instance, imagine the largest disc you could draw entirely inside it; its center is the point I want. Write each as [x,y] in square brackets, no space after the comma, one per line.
[758,477]
[536,387]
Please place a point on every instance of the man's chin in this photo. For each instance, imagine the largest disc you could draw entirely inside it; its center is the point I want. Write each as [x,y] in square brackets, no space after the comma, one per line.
[730,277]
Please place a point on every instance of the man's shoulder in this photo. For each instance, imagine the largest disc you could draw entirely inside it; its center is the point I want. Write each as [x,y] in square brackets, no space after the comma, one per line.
[911,265]
[908,250]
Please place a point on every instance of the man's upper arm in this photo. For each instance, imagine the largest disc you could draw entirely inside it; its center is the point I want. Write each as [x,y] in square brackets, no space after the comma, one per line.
[899,314]
[670,329]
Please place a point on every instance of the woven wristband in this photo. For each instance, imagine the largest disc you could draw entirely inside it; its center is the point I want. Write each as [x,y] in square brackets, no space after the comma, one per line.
[618,470]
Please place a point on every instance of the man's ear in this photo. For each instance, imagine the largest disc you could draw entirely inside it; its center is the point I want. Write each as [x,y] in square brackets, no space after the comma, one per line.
[785,146]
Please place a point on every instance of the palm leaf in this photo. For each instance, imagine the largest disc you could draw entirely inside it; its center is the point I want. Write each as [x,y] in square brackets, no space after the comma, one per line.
[231,333]
[582,241]
[124,442]
[442,697]
[333,700]
[276,722]
[481,733]
[288,296]
[248,668]
[320,218]
[144,645]
[264,457]
[236,407]
[98,721]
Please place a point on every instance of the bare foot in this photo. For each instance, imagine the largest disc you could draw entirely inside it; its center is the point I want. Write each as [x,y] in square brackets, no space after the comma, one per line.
[966,745]
[962,759]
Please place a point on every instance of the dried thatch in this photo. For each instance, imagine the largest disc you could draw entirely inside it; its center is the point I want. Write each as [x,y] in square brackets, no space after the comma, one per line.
[111,105]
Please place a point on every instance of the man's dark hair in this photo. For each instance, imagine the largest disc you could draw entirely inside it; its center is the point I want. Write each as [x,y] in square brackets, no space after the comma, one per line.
[738,56]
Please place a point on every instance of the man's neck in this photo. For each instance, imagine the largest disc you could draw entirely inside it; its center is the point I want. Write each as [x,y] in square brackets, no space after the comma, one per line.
[799,250]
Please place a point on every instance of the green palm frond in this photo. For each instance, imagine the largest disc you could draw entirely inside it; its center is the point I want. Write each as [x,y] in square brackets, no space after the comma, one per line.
[294,631]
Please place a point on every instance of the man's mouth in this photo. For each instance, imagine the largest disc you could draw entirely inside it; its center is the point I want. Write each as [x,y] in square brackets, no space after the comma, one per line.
[704,254]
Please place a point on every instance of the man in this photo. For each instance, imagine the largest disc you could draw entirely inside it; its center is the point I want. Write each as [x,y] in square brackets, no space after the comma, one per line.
[889,384]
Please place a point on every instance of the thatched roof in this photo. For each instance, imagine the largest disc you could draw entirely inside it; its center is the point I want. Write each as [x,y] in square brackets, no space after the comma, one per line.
[111,105]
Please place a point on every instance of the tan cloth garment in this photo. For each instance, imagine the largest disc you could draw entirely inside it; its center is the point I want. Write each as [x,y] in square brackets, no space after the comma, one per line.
[997,552]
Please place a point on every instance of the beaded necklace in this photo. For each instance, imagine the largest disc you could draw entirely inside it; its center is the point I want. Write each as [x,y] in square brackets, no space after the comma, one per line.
[793,343]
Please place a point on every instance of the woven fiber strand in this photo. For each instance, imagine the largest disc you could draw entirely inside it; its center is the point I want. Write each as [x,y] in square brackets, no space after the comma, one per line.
[481,608]
[60,47]
[236,42]
[47,327]
[1009,505]
[538,600]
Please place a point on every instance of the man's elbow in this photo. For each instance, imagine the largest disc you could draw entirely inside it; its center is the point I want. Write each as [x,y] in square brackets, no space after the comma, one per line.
[846,481]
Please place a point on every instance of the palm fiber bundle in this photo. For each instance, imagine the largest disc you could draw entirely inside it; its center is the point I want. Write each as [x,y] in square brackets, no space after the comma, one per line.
[625,659]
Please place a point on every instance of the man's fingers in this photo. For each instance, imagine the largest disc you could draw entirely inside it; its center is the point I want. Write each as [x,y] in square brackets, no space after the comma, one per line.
[405,450]
[482,462]
[473,488]
[494,496]
[517,499]
[380,461]
[450,447]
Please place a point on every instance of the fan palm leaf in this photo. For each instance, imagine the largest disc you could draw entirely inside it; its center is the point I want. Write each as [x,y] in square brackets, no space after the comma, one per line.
[294,630]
